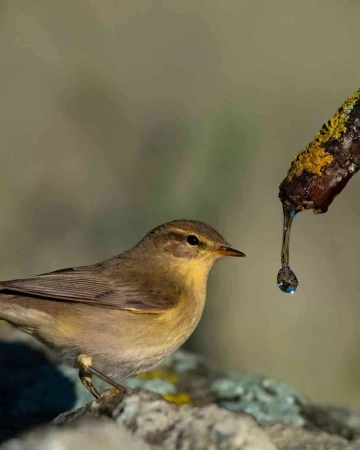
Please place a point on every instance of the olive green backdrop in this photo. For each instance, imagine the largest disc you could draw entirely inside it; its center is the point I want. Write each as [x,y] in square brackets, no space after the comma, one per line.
[116,116]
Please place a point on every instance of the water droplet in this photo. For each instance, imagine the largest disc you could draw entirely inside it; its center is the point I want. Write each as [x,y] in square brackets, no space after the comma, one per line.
[286,279]
[352,168]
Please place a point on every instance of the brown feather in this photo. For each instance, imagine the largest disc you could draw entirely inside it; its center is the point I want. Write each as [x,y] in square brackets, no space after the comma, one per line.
[94,286]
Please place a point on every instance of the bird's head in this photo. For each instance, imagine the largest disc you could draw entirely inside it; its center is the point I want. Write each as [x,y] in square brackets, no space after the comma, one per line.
[187,244]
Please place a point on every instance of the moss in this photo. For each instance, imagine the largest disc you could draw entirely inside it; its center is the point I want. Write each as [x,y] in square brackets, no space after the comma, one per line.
[314,158]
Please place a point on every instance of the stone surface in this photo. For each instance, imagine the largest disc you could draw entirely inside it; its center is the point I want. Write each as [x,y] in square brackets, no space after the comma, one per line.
[156,423]
[32,389]
[291,438]
[207,409]
[143,420]
[87,436]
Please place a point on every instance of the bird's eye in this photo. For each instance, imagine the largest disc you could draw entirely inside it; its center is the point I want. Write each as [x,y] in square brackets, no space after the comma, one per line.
[192,240]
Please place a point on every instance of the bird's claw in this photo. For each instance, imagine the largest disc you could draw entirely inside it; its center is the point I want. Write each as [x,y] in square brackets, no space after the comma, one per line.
[110,391]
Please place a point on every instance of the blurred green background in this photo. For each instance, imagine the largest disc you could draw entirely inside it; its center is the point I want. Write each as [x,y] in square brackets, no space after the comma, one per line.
[117,116]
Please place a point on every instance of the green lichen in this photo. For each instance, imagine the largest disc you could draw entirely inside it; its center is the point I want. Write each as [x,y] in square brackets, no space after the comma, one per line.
[267,400]
[314,157]
[183,361]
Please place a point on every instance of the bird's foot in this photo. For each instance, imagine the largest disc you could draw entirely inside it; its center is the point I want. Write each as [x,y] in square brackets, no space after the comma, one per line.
[86,379]
[110,392]
[87,371]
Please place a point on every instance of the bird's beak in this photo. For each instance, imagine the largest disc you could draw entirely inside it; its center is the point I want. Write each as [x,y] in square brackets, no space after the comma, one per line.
[224,250]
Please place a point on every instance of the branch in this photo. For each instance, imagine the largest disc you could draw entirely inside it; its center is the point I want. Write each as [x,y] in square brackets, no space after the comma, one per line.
[321,171]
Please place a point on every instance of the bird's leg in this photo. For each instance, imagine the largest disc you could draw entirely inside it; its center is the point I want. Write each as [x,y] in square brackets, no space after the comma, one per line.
[116,389]
[86,379]
[87,371]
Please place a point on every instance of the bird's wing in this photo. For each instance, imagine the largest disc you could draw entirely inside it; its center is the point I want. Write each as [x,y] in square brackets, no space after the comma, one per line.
[81,285]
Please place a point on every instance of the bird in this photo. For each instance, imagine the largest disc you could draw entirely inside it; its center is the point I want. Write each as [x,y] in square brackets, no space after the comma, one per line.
[123,316]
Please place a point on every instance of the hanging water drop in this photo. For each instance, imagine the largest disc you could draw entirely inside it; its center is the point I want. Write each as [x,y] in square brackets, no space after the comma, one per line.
[352,168]
[286,279]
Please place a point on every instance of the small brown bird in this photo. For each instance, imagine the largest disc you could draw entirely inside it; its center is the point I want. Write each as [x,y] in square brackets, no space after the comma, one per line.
[122,316]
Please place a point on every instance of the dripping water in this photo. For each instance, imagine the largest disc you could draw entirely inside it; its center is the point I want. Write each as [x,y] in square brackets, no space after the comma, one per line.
[352,168]
[286,279]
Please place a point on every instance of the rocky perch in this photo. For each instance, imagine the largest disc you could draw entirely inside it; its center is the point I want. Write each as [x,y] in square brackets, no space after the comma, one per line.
[183,405]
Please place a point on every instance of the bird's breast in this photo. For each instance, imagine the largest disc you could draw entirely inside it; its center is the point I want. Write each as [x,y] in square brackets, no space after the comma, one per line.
[125,343]
[178,323]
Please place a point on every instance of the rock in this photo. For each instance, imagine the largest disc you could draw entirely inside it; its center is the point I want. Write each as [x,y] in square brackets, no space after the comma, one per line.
[89,435]
[32,389]
[291,438]
[141,419]
[159,424]
[207,409]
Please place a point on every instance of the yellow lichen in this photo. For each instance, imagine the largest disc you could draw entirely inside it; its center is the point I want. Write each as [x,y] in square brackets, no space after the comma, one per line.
[179,399]
[350,102]
[161,374]
[336,126]
[314,157]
